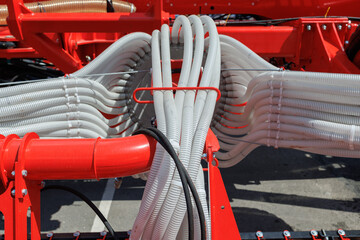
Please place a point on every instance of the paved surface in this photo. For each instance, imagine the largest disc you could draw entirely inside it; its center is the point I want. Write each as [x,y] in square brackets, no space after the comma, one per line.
[271,190]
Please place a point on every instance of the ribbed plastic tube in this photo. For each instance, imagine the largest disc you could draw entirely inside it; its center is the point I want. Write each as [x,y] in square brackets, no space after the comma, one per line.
[73,6]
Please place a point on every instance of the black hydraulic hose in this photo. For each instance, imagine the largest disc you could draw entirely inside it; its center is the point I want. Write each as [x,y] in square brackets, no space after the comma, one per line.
[89,202]
[161,138]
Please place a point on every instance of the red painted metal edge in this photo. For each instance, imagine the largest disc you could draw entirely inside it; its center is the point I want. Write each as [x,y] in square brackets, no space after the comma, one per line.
[223,224]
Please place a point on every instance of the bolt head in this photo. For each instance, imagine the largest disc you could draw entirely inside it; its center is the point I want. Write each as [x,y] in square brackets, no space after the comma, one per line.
[323,27]
[286,233]
[313,233]
[103,233]
[13,173]
[349,26]
[13,192]
[339,27]
[259,234]
[308,27]
[49,235]
[204,156]
[24,173]
[341,232]
[24,192]
[76,234]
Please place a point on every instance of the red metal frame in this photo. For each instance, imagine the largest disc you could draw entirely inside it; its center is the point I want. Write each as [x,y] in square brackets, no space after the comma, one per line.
[70,40]
[25,162]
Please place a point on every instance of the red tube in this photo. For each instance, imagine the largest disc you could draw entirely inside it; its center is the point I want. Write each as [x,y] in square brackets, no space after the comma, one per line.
[77,158]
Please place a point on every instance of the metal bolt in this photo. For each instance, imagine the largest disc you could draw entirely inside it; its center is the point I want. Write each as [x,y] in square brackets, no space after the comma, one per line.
[341,232]
[24,192]
[204,156]
[308,27]
[214,155]
[76,234]
[13,173]
[259,234]
[49,235]
[88,58]
[42,184]
[24,173]
[323,27]
[103,233]
[13,192]
[222,207]
[313,233]
[346,42]
[117,182]
[349,26]
[129,232]
[339,27]
[286,233]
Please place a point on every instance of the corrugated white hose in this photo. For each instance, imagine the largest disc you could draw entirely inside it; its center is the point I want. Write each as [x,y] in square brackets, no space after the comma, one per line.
[41,104]
[55,93]
[107,56]
[172,133]
[335,94]
[187,116]
[316,130]
[157,175]
[173,193]
[63,109]
[211,78]
[184,23]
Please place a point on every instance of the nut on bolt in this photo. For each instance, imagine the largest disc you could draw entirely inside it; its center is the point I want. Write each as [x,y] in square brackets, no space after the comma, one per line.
[339,27]
[24,192]
[259,234]
[24,173]
[341,232]
[103,233]
[323,27]
[314,233]
[76,234]
[286,233]
[50,234]
[308,27]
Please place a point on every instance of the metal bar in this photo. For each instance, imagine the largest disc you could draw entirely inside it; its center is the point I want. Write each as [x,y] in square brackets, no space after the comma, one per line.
[87,22]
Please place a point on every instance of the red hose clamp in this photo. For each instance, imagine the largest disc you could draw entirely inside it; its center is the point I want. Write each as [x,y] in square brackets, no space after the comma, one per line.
[172,88]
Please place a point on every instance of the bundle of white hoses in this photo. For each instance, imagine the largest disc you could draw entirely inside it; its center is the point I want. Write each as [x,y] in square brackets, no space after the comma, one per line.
[72,106]
[185,121]
[313,112]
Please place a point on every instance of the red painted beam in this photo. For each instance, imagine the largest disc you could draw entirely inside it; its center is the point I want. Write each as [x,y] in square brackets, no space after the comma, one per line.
[270,41]
[88,22]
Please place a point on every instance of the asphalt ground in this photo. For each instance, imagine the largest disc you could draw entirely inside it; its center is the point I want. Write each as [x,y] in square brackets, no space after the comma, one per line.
[270,190]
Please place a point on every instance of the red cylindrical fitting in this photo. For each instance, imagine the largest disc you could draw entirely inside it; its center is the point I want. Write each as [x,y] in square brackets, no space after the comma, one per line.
[76,158]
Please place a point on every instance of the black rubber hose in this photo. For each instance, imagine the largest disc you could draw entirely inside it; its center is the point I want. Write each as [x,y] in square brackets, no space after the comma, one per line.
[89,202]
